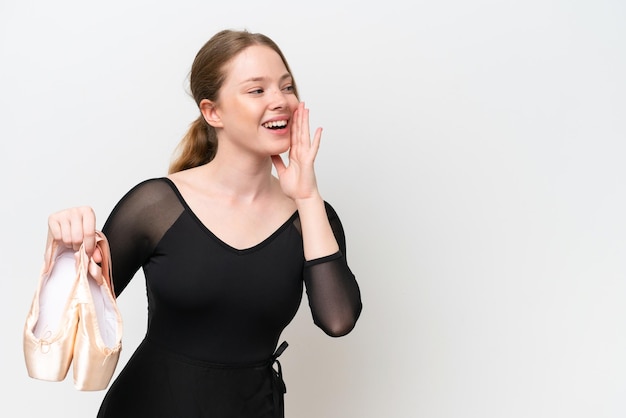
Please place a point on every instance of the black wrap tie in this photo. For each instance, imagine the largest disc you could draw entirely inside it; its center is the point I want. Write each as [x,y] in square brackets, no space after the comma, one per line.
[279,384]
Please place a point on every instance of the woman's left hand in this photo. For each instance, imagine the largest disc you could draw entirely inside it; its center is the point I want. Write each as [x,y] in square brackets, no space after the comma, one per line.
[298,178]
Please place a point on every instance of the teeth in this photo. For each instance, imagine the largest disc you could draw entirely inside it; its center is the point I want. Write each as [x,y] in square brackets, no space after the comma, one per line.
[276,124]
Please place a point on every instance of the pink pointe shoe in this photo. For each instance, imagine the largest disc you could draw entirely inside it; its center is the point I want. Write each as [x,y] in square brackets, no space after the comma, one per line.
[53,317]
[99,335]
[74,317]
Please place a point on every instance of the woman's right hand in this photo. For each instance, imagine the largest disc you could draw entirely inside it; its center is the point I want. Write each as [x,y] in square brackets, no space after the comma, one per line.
[72,227]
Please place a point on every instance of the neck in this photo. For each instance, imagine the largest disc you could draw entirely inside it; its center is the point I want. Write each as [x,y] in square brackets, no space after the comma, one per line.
[243,178]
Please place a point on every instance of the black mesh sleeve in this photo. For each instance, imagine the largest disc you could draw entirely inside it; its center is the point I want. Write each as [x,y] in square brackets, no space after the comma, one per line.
[137,224]
[333,292]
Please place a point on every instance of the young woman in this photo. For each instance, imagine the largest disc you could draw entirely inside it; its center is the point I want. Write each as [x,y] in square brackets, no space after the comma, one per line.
[226,247]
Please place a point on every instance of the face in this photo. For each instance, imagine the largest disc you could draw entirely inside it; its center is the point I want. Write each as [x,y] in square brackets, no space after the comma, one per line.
[255,103]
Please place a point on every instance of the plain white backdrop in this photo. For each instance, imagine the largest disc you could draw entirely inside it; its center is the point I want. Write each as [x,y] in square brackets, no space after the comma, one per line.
[473,149]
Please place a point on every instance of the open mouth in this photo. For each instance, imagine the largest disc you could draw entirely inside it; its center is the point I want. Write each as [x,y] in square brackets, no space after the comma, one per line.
[276,124]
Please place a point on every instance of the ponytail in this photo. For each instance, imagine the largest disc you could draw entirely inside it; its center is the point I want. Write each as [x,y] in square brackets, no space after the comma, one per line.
[197,147]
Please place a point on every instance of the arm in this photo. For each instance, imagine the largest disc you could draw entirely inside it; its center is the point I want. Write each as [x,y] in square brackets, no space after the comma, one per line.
[133,229]
[332,290]
[334,295]
[136,225]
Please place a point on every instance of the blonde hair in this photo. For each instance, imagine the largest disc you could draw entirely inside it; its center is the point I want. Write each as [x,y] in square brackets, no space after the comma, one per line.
[206,77]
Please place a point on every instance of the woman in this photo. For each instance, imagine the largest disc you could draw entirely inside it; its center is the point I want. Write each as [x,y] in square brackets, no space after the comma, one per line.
[226,247]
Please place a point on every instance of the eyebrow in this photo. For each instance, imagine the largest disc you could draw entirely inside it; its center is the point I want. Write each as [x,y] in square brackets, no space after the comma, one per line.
[256,79]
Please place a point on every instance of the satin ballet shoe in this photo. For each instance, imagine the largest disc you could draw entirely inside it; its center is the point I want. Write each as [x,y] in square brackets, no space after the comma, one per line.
[99,335]
[52,320]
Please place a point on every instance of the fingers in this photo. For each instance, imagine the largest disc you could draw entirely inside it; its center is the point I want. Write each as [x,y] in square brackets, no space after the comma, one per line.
[300,135]
[303,118]
[72,227]
[97,255]
[315,146]
[88,232]
[279,164]
[296,128]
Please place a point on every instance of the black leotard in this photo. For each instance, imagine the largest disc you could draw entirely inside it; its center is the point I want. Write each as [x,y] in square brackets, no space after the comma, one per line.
[214,309]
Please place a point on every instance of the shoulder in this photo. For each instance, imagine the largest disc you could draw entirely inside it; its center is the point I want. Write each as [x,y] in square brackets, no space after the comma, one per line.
[151,191]
[153,186]
[189,180]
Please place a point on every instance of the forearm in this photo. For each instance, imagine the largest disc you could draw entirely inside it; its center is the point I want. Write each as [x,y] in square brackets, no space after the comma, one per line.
[317,234]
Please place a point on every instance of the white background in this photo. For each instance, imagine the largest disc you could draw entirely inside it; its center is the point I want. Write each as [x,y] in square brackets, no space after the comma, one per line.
[473,149]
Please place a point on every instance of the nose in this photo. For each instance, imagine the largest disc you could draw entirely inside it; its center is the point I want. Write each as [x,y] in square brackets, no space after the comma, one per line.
[278,99]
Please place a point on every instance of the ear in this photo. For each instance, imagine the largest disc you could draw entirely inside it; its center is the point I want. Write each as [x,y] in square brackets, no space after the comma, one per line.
[210,114]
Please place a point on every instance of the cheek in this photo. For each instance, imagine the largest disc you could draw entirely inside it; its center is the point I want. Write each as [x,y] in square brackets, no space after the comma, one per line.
[293,103]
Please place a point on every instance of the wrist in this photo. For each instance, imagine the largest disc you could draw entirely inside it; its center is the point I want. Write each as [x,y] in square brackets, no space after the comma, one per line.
[315,199]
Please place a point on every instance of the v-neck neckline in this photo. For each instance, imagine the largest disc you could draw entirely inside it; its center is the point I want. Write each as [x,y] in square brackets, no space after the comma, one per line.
[220,241]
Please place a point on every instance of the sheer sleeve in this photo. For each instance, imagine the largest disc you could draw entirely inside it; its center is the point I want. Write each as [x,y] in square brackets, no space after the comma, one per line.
[137,224]
[332,289]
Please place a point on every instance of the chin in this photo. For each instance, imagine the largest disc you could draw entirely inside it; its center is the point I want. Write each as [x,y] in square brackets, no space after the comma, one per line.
[279,149]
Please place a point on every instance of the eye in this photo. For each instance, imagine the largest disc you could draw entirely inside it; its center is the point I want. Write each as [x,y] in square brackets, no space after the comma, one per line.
[256,91]
[289,88]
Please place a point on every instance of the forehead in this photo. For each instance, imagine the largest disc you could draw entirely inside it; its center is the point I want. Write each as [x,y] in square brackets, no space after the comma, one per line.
[255,61]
